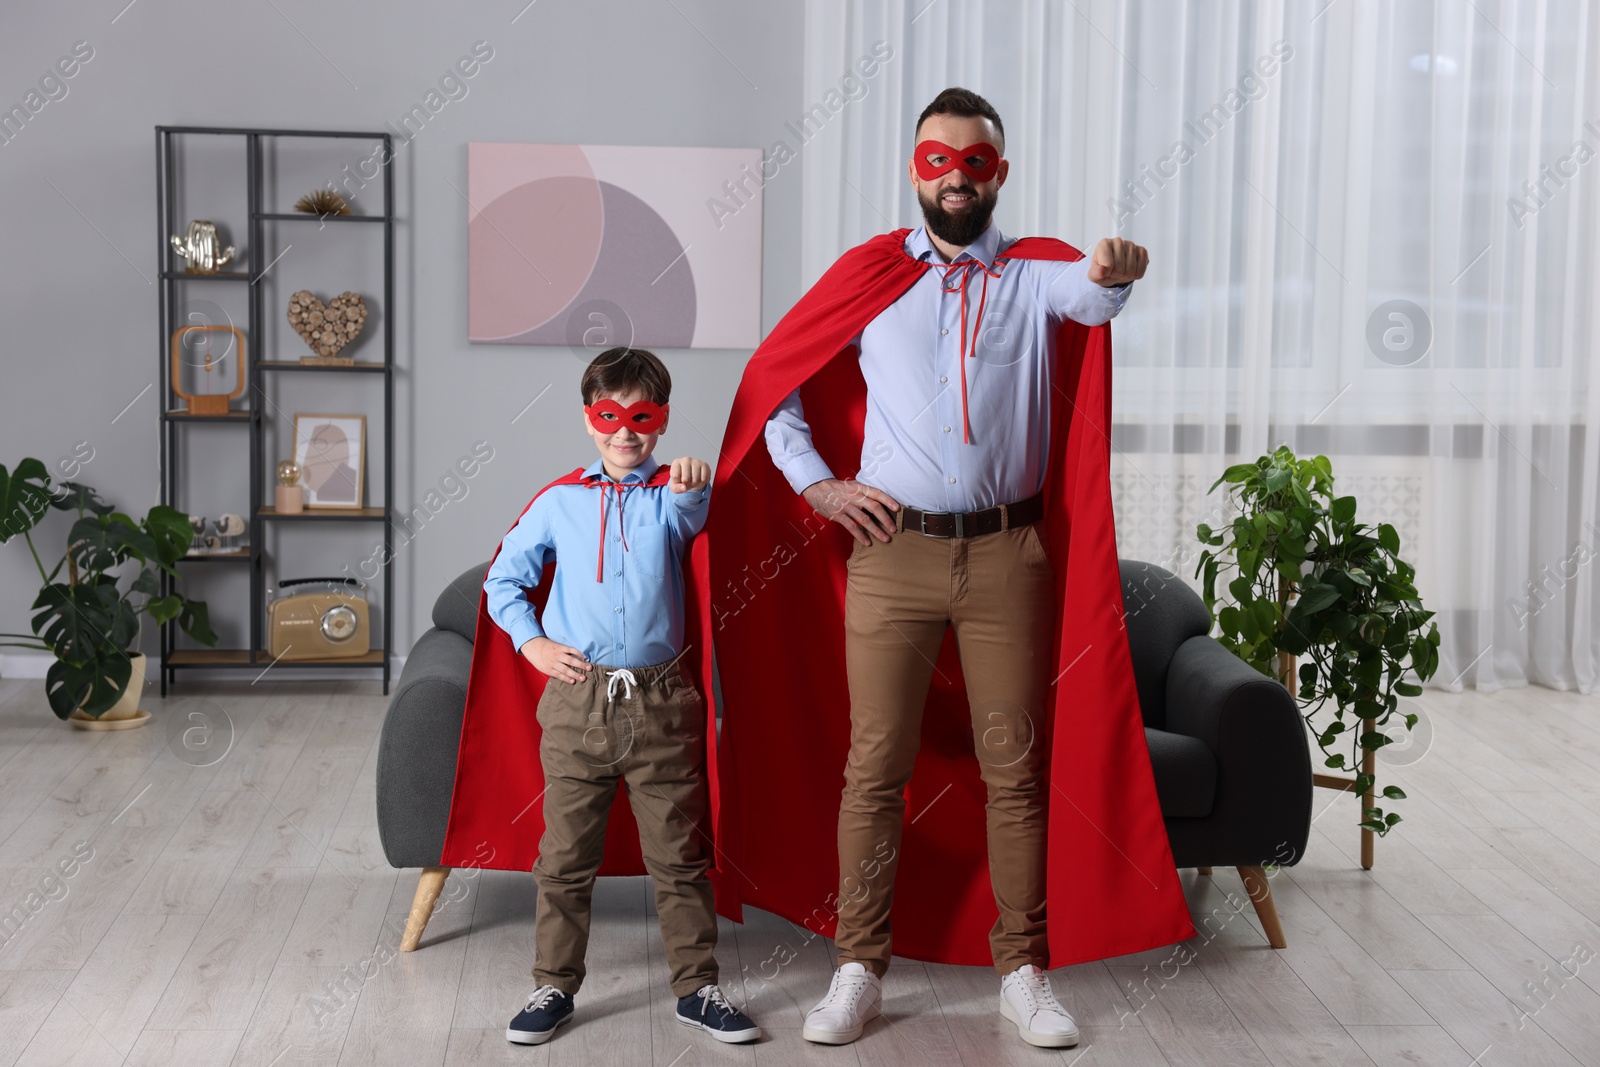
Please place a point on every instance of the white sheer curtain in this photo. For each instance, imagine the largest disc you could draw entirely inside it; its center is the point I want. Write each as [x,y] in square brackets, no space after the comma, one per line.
[1379,243]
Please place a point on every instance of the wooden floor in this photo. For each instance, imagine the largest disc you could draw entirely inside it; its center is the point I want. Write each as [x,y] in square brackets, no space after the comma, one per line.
[241,912]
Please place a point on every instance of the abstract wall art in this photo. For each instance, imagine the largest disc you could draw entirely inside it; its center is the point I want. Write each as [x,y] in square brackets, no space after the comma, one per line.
[589,246]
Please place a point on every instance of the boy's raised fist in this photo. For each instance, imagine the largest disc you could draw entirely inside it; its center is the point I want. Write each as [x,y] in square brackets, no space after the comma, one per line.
[689,473]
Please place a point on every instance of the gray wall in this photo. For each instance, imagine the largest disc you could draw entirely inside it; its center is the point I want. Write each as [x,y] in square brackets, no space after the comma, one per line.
[78,228]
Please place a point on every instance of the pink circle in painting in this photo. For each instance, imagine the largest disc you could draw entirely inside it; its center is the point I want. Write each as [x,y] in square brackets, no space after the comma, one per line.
[530,251]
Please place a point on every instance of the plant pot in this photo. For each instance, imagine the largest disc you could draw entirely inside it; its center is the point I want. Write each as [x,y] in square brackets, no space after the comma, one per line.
[125,713]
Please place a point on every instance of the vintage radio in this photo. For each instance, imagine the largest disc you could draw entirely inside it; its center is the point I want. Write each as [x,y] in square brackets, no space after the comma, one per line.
[328,620]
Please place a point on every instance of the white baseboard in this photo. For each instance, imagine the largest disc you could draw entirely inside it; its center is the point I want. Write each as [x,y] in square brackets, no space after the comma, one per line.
[25,664]
[35,664]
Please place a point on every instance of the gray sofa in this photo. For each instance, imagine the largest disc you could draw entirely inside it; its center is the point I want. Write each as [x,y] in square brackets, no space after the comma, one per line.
[1228,748]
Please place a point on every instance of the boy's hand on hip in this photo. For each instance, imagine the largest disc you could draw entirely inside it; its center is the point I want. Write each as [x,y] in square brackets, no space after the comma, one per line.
[557,661]
[688,474]
[859,508]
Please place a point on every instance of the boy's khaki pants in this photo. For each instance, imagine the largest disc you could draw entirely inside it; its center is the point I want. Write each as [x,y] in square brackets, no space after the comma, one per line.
[997,590]
[651,734]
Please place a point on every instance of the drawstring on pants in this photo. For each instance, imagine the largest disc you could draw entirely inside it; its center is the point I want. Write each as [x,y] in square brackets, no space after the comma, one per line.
[623,675]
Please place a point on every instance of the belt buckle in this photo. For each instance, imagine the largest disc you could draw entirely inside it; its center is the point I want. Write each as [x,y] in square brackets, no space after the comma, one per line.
[961,530]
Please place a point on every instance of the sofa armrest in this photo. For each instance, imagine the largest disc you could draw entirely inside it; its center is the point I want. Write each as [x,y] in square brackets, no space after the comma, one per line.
[1252,724]
[417,749]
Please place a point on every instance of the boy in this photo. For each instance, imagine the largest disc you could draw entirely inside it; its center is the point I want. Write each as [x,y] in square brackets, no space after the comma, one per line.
[616,705]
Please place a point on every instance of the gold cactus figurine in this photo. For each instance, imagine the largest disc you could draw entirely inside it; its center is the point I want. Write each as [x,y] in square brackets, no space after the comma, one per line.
[199,247]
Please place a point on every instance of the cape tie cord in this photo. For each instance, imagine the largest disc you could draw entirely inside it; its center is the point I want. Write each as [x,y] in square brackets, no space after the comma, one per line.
[965,267]
[617,487]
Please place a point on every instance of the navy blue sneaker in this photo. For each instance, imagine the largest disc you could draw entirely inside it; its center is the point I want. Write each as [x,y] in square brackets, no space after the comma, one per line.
[710,1011]
[547,1009]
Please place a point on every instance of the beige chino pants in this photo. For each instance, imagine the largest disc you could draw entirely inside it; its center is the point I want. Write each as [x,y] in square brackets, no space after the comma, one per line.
[997,591]
[650,734]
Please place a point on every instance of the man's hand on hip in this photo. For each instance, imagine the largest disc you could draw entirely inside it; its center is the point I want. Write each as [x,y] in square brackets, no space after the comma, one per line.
[1117,262]
[861,509]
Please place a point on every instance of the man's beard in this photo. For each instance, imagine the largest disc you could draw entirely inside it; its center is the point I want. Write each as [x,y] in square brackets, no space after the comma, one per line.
[959,229]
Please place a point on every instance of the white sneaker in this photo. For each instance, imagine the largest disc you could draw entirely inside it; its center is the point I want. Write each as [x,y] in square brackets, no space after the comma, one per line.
[1026,999]
[854,996]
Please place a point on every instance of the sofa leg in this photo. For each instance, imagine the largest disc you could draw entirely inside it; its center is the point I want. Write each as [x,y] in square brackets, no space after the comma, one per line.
[428,889]
[1204,870]
[1260,890]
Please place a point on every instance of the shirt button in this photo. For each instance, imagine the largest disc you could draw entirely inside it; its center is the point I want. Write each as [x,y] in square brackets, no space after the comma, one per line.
[942,331]
[947,429]
[952,482]
[619,646]
[618,572]
[944,377]
[619,610]
[616,537]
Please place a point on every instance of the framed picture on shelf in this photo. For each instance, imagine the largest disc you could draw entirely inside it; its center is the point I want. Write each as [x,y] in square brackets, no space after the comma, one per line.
[331,451]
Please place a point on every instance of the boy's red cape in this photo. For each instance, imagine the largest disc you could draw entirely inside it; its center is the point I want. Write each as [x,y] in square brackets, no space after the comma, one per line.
[497,811]
[765,582]
[777,581]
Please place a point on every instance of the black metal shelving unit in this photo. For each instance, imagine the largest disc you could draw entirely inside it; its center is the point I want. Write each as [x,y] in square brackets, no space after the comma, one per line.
[174,659]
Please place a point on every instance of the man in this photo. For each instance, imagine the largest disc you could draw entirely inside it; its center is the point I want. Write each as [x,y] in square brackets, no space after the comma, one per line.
[974,459]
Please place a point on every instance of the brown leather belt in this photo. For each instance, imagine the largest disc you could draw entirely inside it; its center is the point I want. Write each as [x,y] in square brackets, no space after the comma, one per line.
[970,523]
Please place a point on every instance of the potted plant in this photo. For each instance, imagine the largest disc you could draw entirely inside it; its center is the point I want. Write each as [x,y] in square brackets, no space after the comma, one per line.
[90,621]
[1312,581]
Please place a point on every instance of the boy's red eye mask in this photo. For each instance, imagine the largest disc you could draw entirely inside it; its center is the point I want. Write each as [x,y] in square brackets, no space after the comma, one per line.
[642,416]
[979,161]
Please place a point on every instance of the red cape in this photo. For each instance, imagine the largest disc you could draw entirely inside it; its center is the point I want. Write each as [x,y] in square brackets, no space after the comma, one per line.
[777,580]
[497,810]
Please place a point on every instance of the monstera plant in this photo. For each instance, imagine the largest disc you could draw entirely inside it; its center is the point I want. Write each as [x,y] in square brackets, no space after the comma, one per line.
[87,613]
[1309,580]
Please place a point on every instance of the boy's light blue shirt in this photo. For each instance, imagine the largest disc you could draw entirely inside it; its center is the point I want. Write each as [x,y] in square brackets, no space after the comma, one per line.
[633,616]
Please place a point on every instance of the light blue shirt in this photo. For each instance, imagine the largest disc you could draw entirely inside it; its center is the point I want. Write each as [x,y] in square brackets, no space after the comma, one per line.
[633,616]
[911,359]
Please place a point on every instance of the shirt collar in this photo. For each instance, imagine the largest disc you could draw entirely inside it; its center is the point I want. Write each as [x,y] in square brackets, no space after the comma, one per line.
[641,473]
[920,246]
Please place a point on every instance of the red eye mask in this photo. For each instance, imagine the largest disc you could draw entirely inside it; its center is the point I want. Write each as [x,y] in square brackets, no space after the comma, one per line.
[642,416]
[957,159]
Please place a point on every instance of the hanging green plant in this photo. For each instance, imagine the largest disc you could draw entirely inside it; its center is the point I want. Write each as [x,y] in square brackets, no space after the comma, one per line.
[1309,580]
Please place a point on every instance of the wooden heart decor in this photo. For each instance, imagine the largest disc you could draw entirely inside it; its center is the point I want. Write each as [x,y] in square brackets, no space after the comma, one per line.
[327,328]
